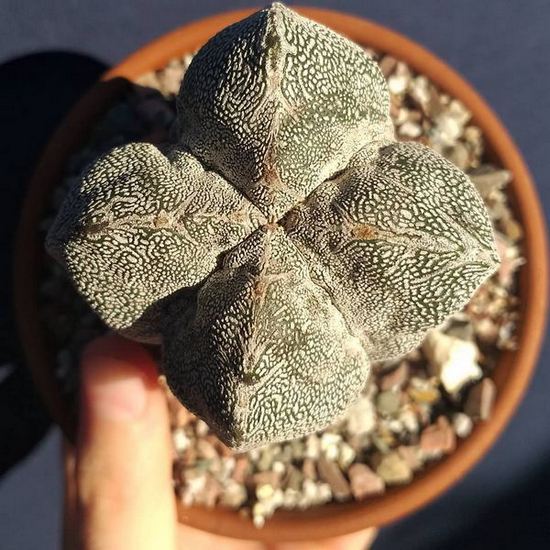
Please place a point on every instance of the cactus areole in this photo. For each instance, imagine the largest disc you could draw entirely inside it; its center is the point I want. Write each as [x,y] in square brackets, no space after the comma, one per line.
[283,241]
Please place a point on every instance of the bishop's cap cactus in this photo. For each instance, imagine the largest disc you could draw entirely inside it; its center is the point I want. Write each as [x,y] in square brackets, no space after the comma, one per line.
[284,241]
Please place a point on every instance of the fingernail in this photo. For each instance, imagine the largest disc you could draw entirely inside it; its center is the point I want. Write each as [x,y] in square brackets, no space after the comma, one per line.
[112,387]
[121,398]
[116,377]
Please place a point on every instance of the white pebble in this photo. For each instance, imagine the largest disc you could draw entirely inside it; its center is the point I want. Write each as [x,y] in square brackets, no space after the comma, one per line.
[228,465]
[459,112]
[409,129]
[254,454]
[452,360]
[394,425]
[409,420]
[258,515]
[346,456]
[330,444]
[313,446]
[277,498]
[361,417]
[309,490]
[462,425]
[187,497]
[195,484]
[397,84]
[264,492]
[420,90]
[201,428]
[324,493]
[181,440]
[234,494]
[291,498]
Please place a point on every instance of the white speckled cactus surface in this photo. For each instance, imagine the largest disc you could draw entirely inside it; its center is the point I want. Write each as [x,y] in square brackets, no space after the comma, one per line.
[284,241]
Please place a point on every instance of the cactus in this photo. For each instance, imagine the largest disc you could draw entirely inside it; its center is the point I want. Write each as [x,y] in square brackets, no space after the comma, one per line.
[283,241]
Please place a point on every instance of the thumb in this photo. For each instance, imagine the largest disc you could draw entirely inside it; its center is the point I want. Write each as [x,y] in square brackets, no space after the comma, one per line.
[123,471]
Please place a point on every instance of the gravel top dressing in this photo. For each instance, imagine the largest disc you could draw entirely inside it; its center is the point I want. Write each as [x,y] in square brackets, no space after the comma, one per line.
[412,411]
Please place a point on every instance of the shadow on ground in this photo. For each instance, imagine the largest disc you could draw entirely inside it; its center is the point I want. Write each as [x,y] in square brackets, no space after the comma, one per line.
[36,92]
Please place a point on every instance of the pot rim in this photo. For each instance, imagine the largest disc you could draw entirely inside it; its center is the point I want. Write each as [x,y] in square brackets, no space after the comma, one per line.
[512,373]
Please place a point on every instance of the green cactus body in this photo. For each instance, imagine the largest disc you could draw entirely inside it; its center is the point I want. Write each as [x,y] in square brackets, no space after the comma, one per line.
[284,241]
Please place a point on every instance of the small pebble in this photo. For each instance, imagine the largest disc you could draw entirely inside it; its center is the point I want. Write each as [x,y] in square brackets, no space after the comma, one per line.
[234,495]
[297,448]
[387,65]
[359,442]
[398,82]
[510,260]
[412,455]
[347,456]
[409,129]
[422,93]
[265,491]
[423,391]
[293,478]
[170,79]
[480,400]
[409,420]
[486,330]
[259,513]
[462,425]
[180,439]
[458,112]
[310,494]
[209,494]
[474,141]
[324,493]
[206,449]
[452,360]
[361,417]
[330,472]
[394,425]
[388,402]
[459,155]
[227,467]
[313,446]
[446,131]
[438,439]
[330,445]
[380,443]
[266,458]
[201,428]
[364,482]
[460,328]
[291,497]
[393,469]
[488,179]
[309,469]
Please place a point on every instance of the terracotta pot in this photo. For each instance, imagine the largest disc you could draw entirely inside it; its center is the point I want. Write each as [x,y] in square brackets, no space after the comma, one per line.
[511,375]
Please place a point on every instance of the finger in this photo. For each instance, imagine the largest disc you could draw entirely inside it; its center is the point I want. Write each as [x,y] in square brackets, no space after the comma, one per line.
[123,470]
[191,539]
[361,540]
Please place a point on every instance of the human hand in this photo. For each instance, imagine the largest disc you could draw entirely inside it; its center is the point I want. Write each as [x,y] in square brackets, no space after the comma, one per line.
[119,491]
